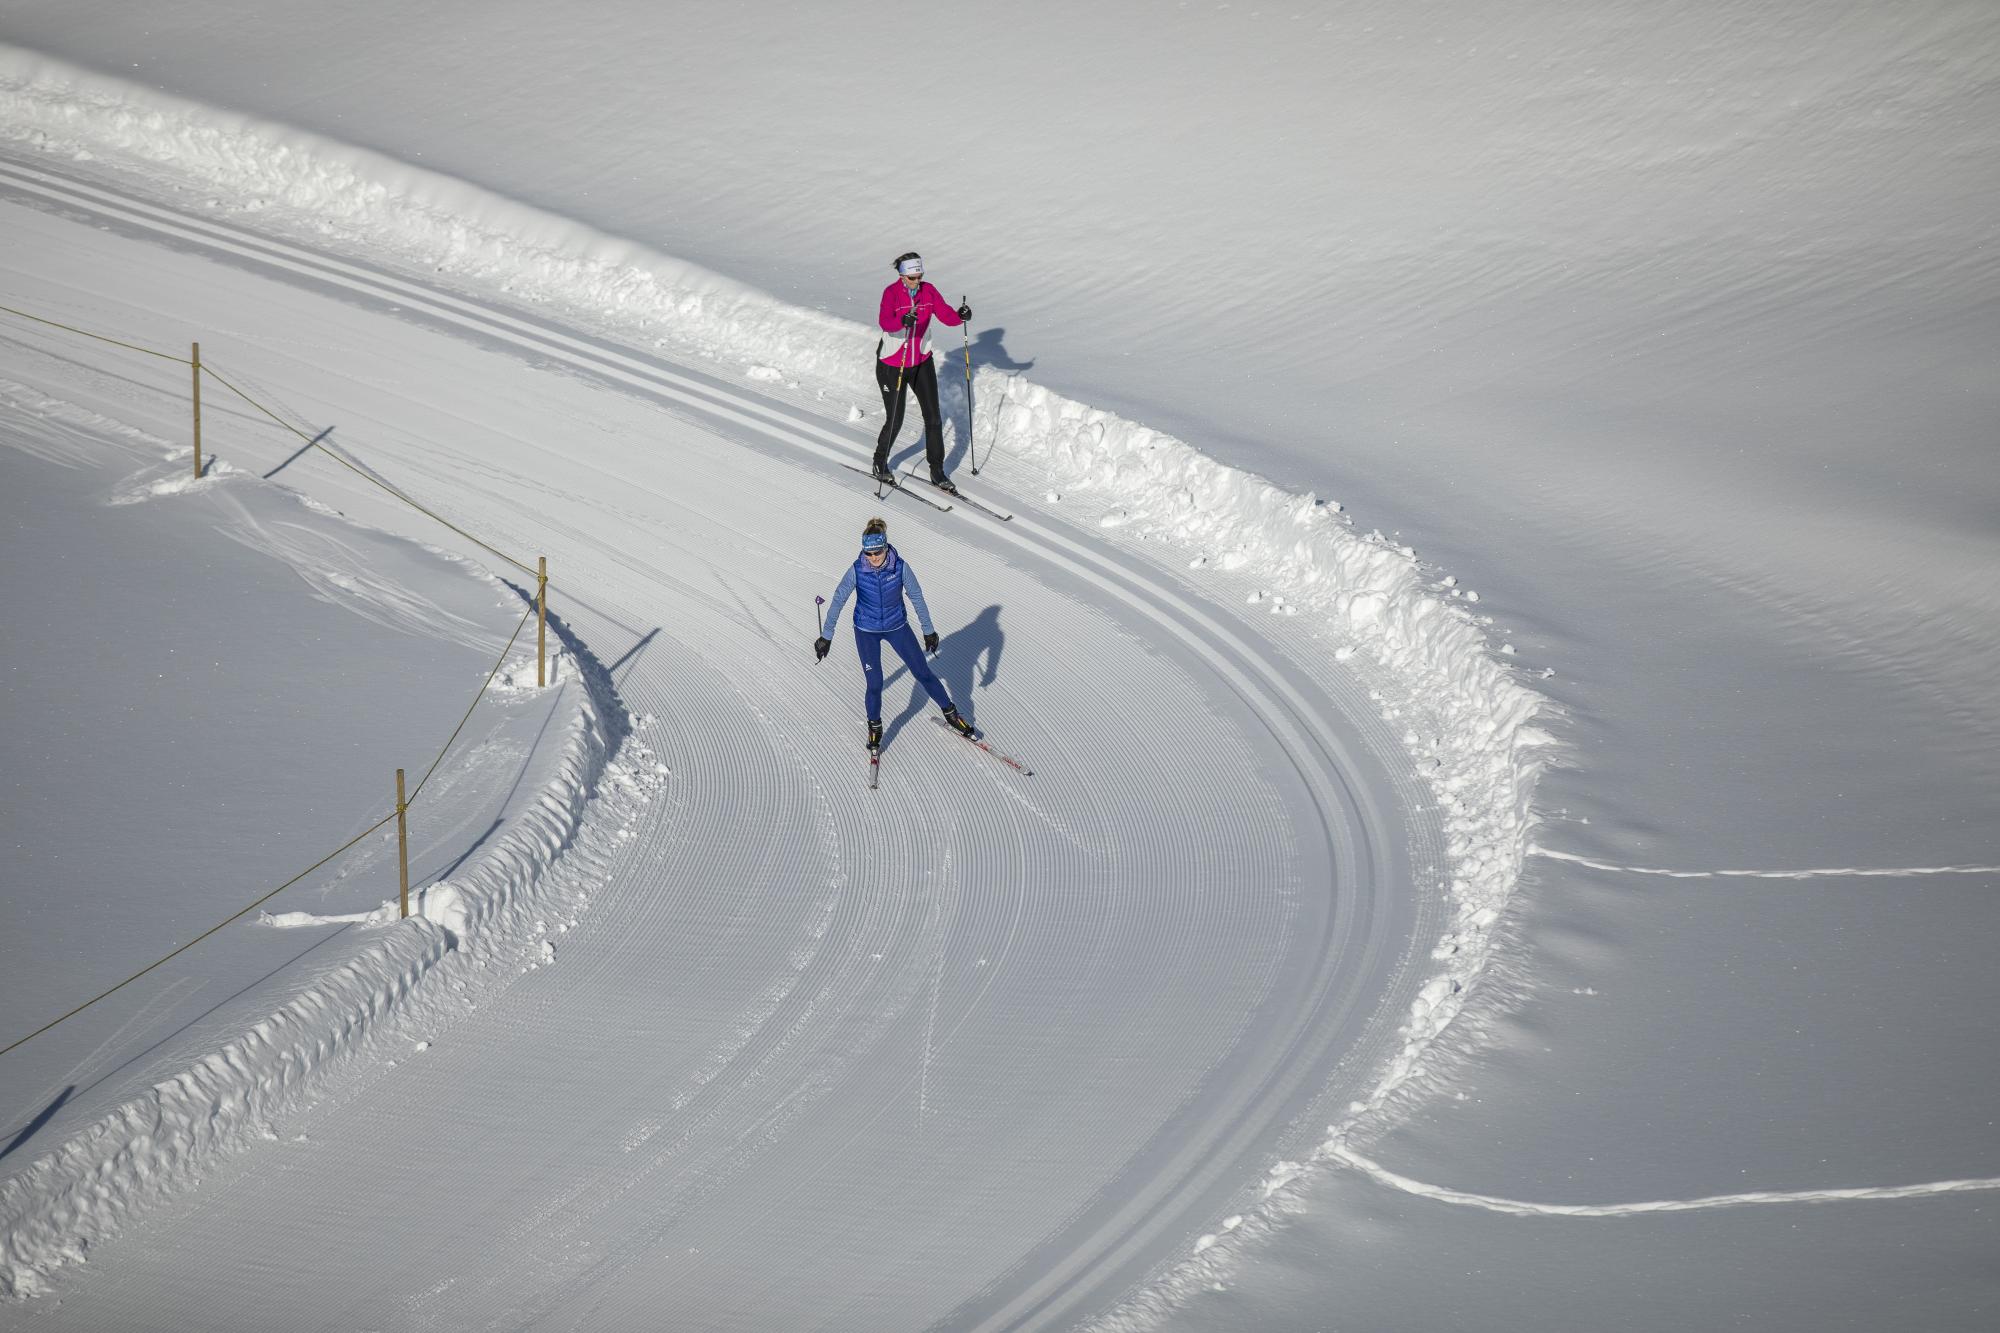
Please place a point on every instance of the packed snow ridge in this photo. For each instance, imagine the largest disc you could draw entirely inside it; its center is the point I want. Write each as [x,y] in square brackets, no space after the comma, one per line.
[1467,720]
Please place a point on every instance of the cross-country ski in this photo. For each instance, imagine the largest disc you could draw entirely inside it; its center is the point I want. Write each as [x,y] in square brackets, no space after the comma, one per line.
[961,497]
[884,485]
[980,741]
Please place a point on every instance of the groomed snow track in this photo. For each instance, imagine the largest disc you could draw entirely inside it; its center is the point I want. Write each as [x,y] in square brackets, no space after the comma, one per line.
[975,1051]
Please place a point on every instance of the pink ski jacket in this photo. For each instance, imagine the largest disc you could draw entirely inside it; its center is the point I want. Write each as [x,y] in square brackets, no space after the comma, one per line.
[929,301]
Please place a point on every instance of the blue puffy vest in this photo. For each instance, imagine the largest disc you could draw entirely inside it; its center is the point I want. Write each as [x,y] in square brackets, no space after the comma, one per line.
[878,595]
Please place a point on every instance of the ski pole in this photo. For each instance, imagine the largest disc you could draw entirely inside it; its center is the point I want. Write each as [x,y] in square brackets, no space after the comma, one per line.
[971,437]
[903,363]
[819,630]
[895,423]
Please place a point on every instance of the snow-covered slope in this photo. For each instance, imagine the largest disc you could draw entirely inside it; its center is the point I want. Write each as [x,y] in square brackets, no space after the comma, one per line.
[1668,327]
[1292,553]
[1709,280]
[1248,951]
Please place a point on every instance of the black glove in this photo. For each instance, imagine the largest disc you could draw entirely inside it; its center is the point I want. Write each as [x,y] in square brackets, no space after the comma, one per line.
[820,646]
[930,642]
[964,310]
[910,318]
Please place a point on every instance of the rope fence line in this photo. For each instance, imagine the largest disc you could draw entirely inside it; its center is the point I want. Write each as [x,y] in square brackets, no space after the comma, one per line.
[365,475]
[202,367]
[537,608]
[393,814]
[71,328]
[474,704]
[204,935]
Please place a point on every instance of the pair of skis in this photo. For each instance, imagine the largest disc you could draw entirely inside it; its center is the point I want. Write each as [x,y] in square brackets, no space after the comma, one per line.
[875,756]
[908,486]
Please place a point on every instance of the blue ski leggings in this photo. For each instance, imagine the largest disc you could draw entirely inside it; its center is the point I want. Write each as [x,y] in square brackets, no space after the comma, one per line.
[904,641]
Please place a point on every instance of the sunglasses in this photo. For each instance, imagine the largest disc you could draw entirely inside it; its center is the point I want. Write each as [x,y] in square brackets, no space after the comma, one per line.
[881,554]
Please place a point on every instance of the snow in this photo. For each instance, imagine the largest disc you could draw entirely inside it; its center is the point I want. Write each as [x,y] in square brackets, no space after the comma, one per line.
[219,724]
[1667,331]
[768,937]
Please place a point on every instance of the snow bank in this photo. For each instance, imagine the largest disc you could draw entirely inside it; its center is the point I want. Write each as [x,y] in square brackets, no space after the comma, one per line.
[363,203]
[1468,718]
[158,1143]
[493,912]
[1468,722]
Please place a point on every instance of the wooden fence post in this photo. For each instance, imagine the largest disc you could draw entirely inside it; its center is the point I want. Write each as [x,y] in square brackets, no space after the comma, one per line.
[197,411]
[403,841]
[542,622]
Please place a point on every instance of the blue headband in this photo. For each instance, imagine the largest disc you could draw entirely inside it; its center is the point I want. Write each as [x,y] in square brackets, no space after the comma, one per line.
[874,541]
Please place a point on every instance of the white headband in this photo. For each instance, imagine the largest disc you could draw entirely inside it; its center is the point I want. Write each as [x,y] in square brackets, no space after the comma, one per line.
[910,268]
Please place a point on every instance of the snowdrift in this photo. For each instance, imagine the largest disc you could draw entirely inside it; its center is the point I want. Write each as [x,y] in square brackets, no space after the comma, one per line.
[1467,721]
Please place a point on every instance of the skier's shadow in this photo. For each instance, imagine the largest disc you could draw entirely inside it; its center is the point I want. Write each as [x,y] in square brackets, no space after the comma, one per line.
[968,657]
[988,349]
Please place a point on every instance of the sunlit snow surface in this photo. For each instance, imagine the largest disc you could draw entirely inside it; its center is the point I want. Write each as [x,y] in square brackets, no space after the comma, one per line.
[1668,336]
[1092,1000]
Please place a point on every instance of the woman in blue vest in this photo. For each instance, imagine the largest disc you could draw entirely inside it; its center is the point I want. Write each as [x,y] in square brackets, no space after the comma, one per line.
[878,578]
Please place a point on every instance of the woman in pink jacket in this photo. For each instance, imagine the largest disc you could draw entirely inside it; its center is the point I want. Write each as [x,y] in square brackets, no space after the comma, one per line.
[907,307]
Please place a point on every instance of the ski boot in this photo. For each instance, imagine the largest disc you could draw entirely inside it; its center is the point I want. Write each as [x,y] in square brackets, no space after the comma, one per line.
[959,724]
[883,473]
[874,734]
[943,483]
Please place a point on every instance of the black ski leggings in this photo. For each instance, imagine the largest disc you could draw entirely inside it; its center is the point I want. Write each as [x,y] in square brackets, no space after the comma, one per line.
[921,377]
